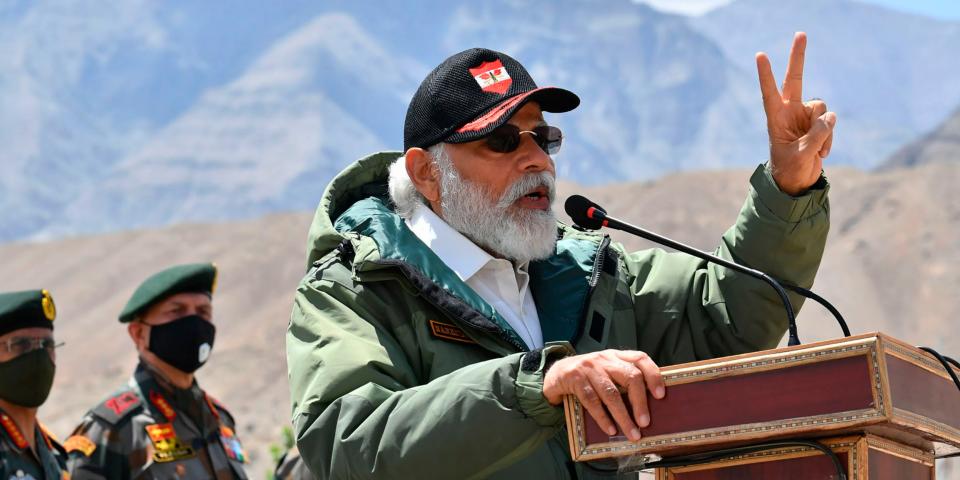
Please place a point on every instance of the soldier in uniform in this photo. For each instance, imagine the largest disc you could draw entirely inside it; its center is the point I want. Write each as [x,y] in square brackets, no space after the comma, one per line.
[27,367]
[161,424]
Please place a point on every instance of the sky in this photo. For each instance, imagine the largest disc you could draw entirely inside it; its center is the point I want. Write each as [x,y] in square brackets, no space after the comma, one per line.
[942,9]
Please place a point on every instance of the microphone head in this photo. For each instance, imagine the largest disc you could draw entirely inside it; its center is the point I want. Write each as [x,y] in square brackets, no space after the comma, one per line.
[578,207]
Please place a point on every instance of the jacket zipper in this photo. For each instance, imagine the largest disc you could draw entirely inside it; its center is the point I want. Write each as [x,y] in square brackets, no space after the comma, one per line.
[598,265]
[592,284]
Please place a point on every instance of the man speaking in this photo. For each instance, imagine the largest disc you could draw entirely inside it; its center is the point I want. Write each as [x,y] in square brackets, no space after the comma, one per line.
[445,312]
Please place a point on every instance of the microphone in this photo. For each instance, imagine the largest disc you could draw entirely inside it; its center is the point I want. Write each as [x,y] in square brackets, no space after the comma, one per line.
[589,215]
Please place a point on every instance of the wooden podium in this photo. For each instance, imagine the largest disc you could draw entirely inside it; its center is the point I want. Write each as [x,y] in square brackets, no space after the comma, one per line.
[885,407]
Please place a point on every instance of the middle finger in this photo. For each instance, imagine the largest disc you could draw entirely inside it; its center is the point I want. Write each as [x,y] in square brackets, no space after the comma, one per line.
[793,81]
[631,377]
[611,397]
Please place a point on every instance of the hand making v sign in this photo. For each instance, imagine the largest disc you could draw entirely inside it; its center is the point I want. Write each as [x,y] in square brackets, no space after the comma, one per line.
[801,133]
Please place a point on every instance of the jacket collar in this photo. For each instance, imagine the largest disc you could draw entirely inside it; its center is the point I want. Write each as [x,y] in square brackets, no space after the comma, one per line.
[356,208]
[463,256]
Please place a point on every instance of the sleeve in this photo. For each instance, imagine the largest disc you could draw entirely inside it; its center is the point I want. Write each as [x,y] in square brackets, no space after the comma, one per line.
[93,452]
[689,310]
[360,412]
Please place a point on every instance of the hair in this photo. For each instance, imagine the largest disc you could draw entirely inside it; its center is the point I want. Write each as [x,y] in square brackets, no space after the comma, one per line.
[470,209]
[403,193]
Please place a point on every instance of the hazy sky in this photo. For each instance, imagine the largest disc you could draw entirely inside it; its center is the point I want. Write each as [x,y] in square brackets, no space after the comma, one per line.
[942,9]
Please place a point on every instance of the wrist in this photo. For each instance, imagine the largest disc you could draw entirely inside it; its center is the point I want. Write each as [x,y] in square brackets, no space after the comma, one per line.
[534,366]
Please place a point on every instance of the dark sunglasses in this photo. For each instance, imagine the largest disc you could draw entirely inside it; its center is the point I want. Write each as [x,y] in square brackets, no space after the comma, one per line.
[506,138]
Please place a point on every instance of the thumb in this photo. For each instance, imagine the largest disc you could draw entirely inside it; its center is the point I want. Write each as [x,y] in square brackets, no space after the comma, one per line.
[820,131]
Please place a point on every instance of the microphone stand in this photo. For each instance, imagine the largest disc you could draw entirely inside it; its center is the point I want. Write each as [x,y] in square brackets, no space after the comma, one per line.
[607,221]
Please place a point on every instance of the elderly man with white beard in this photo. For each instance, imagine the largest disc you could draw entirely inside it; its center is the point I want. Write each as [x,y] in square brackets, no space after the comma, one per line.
[445,312]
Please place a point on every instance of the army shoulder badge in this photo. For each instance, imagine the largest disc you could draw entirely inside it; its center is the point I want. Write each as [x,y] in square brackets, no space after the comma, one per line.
[166,445]
[79,443]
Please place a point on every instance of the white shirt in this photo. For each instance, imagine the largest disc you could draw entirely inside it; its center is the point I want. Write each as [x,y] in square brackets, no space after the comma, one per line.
[496,280]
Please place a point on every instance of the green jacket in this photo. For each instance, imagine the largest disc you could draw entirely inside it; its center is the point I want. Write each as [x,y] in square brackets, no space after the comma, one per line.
[152,430]
[46,461]
[399,370]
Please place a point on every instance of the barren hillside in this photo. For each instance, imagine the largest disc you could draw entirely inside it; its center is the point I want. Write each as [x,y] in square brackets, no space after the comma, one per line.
[890,266]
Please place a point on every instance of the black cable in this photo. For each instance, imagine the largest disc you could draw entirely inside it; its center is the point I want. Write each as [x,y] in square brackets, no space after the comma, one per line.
[952,361]
[698,459]
[822,301]
[945,361]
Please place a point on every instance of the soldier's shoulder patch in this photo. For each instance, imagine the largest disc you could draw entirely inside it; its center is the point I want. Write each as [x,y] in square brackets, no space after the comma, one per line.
[79,443]
[118,407]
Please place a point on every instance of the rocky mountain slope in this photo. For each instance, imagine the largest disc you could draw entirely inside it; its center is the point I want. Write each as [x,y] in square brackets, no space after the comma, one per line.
[939,146]
[146,113]
[890,265]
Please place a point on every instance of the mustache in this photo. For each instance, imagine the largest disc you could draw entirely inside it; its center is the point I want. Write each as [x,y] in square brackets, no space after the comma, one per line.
[525,185]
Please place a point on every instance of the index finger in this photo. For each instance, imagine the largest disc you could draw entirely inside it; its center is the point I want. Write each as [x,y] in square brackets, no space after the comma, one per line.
[793,82]
[768,85]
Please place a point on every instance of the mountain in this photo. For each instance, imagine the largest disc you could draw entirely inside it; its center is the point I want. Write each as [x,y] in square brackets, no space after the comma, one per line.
[267,141]
[147,113]
[884,72]
[890,265]
[84,83]
[940,145]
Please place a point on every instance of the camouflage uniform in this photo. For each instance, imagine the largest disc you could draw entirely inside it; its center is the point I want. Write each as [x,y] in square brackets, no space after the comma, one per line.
[18,460]
[152,430]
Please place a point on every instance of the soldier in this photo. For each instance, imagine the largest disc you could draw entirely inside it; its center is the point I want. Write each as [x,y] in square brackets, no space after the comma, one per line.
[27,367]
[161,424]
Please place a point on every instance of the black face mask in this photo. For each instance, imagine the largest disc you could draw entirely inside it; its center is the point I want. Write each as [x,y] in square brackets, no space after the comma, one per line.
[26,380]
[184,343]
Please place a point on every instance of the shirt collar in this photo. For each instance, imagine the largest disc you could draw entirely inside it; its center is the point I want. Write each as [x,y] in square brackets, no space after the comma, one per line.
[458,252]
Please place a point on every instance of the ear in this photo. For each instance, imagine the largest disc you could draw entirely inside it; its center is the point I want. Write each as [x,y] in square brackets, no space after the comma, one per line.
[139,334]
[424,175]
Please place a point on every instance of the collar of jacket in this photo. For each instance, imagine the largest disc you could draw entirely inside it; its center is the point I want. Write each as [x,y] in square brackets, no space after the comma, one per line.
[356,208]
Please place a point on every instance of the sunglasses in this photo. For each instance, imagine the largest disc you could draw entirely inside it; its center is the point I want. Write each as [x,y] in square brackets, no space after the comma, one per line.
[506,138]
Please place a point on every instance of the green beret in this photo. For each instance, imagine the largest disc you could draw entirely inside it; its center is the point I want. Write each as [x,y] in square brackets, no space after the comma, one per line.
[194,277]
[33,308]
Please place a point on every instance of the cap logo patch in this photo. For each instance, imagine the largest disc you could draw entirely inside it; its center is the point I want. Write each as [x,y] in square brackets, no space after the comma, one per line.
[492,77]
[49,309]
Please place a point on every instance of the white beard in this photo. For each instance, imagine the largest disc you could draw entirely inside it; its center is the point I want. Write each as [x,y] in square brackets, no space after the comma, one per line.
[496,225]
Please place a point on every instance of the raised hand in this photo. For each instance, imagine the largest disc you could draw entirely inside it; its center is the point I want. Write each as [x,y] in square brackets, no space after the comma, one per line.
[801,133]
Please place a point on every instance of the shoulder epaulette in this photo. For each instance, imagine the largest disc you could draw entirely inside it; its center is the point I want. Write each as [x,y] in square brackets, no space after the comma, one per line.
[53,443]
[219,408]
[118,406]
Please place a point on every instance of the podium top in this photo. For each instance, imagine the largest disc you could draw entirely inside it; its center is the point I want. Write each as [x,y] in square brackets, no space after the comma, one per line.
[866,383]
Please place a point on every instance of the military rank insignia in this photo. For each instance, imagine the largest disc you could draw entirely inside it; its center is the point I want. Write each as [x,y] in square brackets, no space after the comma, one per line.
[231,444]
[166,445]
[13,431]
[79,443]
